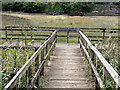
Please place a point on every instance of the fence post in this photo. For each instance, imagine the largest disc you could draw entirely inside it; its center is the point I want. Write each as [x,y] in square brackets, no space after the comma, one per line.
[11,76]
[25,39]
[36,68]
[78,38]
[48,46]
[67,36]
[6,33]
[31,36]
[46,49]
[29,75]
[92,55]
[42,58]
[56,37]
[103,34]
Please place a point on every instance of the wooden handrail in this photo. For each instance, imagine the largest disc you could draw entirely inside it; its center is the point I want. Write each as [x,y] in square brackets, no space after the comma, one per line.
[19,74]
[60,28]
[29,29]
[86,43]
[108,67]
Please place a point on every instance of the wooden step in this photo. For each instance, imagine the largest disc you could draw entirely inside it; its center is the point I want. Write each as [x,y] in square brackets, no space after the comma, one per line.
[67,68]
[69,84]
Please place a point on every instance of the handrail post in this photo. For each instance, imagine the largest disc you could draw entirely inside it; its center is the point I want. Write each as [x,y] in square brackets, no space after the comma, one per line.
[92,54]
[48,46]
[29,74]
[11,76]
[78,38]
[42,58]
[79,41]
[56,37]
[36,68]
[46,49]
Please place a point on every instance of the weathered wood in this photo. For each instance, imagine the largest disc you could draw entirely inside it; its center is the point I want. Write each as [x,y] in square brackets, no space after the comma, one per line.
[24,30]
[108,67]
[25,38]
[41,65]
[68,69]
[42,59]
[11,76]
[50,49]
[36,68]
[60,28]
[37,73]
[102,36]
[6,35]
[25,67]
[102,31]
[29,75]
[27,35]
[92,65]
[67,37]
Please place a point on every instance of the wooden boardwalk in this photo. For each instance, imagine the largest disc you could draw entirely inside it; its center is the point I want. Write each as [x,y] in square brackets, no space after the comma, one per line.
[63,65]
[68,69]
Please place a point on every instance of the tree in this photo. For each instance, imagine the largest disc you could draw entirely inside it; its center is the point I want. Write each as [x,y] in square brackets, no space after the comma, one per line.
[43,7]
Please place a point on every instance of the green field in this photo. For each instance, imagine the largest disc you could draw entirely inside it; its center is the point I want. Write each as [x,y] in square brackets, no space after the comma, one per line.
[11,58]
[43,20]
[60,20]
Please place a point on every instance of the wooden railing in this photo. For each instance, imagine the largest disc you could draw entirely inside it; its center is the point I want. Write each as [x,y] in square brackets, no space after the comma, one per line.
[99,64]
[97,34]
[37,60]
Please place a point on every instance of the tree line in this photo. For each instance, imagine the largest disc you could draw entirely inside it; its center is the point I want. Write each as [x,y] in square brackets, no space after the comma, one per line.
[46,7]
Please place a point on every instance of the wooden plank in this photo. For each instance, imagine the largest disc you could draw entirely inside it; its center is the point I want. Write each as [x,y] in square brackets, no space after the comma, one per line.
[108,67]
[66,35]
[25,38]
[42,63]
[48,53]
[92,65]
[61,28]
[67,30]
[36,68]
[19,74]
[102,36]
[23,30]
[102,31]
[37,73]
[27,35]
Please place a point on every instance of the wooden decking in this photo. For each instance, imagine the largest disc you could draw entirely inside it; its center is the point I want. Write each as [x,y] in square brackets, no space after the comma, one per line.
[20,44]
[68,69]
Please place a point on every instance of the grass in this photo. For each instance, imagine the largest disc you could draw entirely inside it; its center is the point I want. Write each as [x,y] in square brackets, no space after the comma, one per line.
[11,58]
[62,21]
[12,61]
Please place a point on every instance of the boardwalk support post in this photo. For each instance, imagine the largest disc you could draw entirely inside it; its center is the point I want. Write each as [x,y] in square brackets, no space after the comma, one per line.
[36,68]
[42,58]
[29,74]
[11,76]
